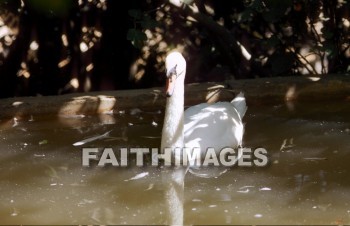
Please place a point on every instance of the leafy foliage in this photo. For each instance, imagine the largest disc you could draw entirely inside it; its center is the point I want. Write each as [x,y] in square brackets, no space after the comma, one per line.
[283,37]
[141,21]
[55,47]
[137,37]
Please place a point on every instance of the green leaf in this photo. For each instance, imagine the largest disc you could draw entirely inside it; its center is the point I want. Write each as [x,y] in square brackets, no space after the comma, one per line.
[137,37]
[327,34]
[43,142]
[148,23]
[329,47]
[246,15]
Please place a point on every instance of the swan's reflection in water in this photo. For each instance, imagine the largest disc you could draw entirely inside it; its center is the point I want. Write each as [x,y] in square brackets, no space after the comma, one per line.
[306,181]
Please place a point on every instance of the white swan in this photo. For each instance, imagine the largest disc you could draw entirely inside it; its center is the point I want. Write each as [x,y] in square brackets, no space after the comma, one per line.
[216,125]
[205,125]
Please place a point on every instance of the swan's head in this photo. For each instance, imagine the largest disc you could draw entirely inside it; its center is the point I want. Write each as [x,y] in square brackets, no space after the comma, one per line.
[175,65]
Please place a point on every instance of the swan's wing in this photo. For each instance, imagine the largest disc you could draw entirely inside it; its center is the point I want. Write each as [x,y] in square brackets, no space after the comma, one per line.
[216,125]
[240,104]
[194,110]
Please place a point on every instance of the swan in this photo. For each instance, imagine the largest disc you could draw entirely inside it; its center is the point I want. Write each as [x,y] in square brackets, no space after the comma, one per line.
[217,125]
[201,126]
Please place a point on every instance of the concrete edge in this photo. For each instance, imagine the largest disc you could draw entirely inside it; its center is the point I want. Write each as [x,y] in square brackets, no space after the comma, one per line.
[257,91]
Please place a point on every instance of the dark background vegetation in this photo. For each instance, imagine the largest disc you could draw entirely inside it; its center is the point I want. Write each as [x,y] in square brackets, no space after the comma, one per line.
[63,46]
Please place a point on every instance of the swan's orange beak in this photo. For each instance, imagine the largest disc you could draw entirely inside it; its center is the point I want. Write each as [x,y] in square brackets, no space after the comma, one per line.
[171,76]
[170,85]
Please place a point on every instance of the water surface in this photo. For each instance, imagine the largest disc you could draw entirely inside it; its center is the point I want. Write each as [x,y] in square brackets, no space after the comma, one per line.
[307,180]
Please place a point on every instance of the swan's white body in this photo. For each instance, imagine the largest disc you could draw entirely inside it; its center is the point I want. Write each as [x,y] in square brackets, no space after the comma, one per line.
[216,126]
[202,126]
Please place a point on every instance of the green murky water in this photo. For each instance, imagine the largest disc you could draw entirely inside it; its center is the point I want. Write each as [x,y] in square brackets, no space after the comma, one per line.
[42,180]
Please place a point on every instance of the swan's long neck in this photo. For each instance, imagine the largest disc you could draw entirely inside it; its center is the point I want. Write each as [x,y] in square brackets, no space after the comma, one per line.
[173,136]
[173,127]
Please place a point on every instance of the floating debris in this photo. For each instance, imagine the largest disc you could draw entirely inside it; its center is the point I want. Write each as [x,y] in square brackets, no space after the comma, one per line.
[14,213]
[154,124]
[43,142]
[258,215]
[265,189]
[245,189]
[315,158]
[88,140]
[247,186]
[138,176]
[15,122]
[109,112]
[86,201]
[78,116]
[150,187]
[31,119]
[286,144]
[17,103]
[135,111]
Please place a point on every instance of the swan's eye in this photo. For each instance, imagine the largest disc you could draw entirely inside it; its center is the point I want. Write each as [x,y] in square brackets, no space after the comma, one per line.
[172,71]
